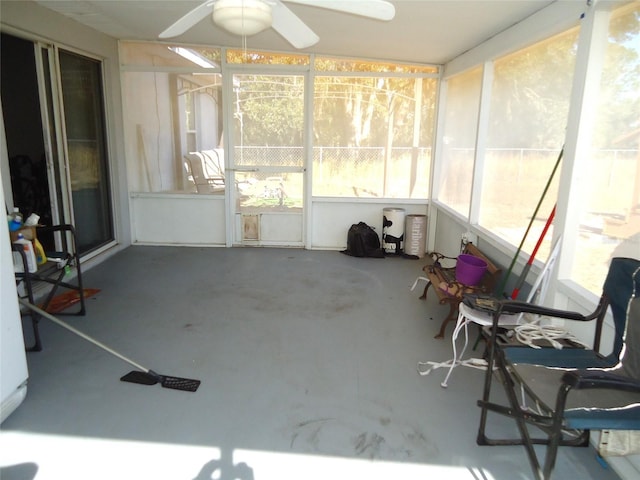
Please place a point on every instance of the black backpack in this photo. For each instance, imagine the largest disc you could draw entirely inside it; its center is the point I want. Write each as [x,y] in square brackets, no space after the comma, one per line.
[363,241]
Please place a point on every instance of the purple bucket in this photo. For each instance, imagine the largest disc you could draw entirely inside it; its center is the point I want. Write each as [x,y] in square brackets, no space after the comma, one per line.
[470,269]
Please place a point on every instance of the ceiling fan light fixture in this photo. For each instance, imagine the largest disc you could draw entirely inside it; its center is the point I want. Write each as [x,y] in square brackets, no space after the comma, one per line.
[242,17]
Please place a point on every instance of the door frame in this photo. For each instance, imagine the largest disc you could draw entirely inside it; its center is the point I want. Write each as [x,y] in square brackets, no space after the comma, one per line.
[49,91]
[230,166]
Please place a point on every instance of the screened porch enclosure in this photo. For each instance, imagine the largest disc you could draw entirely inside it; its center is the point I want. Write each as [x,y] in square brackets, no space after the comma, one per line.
[256,136]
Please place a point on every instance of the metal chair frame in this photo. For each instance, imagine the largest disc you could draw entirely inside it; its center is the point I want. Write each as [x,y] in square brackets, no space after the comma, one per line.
[576,369]
[52,273]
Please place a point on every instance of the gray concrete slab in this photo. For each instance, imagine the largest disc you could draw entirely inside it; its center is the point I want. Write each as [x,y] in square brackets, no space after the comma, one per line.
[308,362]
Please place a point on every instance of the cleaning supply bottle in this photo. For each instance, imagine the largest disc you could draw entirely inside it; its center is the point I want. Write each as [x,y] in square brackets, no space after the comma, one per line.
[27,247]
[41,257]
[15,220]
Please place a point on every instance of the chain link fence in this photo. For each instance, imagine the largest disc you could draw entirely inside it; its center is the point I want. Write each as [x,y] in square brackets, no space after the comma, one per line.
[352,171]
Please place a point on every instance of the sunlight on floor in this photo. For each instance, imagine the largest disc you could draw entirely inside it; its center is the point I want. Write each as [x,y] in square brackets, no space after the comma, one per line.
[291,466]
[71,458]
[44,457]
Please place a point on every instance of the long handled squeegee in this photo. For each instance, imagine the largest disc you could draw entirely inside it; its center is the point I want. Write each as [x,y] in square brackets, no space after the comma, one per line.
[142,376]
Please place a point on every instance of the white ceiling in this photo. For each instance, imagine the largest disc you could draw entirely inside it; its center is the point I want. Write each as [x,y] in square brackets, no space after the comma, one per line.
[426,31]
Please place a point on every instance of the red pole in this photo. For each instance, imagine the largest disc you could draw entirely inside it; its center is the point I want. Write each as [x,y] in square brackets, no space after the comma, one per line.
[527,267]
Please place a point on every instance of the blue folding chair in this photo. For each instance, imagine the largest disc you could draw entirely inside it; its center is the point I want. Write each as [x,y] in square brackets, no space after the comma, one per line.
[572,390]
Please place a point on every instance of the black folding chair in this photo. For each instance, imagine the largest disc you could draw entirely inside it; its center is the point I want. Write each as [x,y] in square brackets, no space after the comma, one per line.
[568,392]
[55,273]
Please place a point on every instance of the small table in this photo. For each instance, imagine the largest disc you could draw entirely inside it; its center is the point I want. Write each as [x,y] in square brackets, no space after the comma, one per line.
[467,315]
[536,337]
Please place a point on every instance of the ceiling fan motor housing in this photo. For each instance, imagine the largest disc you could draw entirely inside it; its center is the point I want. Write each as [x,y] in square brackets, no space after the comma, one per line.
[242,17]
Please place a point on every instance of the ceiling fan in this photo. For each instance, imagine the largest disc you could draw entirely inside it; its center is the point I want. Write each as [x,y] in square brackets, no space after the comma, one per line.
[248,17]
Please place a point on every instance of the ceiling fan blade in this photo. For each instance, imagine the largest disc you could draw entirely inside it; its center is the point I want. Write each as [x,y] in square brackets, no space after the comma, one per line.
[294,30]
[378,9]
[189,20]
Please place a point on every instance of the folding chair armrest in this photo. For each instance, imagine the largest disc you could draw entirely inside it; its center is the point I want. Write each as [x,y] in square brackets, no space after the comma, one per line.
[598,315]
[524,307]
[62,228]
[582,379]
[491,304]
[58,228]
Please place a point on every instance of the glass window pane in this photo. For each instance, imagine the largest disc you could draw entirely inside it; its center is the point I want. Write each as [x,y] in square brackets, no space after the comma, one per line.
[82,92]
[328,64]
[272,192]
[268,112]
[610,215]
[372,136]
[459,139]
[170,110]
[167,116]
[527,120]
[268,134]
[160,55]
[266,58]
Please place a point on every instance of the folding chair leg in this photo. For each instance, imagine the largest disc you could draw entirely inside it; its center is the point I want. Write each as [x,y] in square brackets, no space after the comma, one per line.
[556,431]
[486,392]
[515,410]
[37,346]
[524,419]
[57,283]
[83,309]
[518,415]
[37,343]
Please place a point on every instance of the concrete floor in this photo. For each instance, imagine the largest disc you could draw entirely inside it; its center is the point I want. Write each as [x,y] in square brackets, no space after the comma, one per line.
[308,362]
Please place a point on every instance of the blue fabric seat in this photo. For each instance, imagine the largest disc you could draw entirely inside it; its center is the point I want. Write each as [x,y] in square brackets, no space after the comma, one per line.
[568,392]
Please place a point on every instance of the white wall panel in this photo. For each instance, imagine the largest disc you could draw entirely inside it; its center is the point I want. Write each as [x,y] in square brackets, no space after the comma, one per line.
[178,219]
[331,219]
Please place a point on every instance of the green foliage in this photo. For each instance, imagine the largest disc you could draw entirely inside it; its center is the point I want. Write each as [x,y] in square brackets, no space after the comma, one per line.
[377,110]
[619,96]
[531,93]
[367,105]
[532,89]
[372,111]
[269,110]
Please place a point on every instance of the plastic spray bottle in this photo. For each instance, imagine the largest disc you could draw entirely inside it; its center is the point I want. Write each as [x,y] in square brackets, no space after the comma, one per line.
[29,252]
[15,220]
[41,257]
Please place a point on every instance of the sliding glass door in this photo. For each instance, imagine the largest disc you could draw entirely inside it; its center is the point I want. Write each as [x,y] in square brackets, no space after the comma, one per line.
[84,119]
[57,156]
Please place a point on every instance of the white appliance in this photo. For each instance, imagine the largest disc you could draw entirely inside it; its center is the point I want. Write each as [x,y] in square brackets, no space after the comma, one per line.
[13,359]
